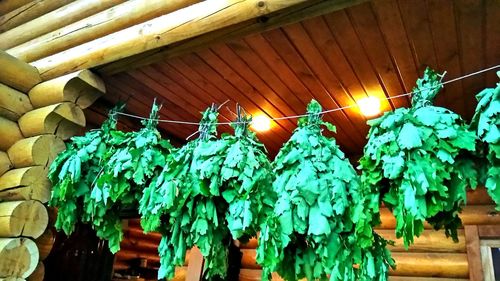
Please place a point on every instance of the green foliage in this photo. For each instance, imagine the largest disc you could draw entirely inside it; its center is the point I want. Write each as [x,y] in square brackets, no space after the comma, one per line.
[415,158]
[486,123]
[103,173]
[74,171]
[321,224]
[211,190]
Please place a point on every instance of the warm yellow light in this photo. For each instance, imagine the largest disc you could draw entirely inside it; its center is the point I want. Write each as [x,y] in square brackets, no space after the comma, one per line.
[261,123]
[369,106]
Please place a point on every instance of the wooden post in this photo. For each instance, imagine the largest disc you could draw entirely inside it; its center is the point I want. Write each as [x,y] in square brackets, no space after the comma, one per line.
[474,253]
[95,26]
[35,151]
[195,265]
[19,257]
[63,16]
[13,103]
[23,218]
[17,74]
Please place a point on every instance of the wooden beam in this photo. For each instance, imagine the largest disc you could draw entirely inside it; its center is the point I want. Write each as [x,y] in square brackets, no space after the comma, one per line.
[471,215]
[10,133]
[263,23]
[35,151]
[13,103]
[62,119]
[5,164]
[106,22]
[429,241]
[407,264]
[195,20]
[51,21]
[29,12]
[17,74]
[82,87]
[7,6]
[256,275]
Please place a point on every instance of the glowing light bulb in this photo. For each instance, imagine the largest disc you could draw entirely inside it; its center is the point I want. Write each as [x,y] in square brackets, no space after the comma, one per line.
[261,123]
[369,106]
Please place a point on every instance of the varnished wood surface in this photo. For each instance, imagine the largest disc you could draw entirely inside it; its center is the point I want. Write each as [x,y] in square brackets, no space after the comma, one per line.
[378,48]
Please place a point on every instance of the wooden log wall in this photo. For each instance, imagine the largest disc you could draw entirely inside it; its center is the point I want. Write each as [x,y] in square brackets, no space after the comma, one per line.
[35,119]
[136,245]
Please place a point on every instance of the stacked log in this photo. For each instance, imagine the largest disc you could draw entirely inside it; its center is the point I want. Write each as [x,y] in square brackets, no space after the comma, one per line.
[138,245]
[35,119]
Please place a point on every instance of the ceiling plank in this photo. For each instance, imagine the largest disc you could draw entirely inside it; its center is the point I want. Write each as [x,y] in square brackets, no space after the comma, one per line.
[371,38]
[265,18]
[492,39]
[470,15]
[444,34]
[192,21]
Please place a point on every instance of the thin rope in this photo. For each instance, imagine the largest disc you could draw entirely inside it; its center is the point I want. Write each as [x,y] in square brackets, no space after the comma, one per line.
[322,112]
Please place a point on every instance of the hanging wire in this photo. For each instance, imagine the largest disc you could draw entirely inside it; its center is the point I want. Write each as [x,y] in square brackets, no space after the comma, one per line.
[322,112]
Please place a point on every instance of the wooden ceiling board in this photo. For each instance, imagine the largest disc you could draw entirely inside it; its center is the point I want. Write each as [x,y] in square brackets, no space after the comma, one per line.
[366,26]
[444,34]
[377,48]
[492,26]
[470,15]
[296,63]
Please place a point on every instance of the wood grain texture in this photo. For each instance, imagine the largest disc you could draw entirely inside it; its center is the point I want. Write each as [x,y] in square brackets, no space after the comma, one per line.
[97,25]
[13,103]
[17,74]
[473,253]
[29,12]
[449,265]
[63,16]
[19,258]
[378,48]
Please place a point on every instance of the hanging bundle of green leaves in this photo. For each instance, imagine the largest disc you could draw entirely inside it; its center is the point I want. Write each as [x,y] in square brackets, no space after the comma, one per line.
[74,171]
[137,157]
[247,177]
[210,188]
[313,230]
[415,158]
[183,203]
[486,122]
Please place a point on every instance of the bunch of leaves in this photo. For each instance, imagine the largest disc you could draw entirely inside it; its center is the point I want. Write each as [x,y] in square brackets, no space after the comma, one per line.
[486,122]
[210,191]
[74,170]
[184,203]
[136,158]
[417,159]
[312,232]
[247,177]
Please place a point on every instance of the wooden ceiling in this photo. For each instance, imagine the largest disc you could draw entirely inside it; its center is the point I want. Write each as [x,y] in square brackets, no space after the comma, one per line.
[378,48]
